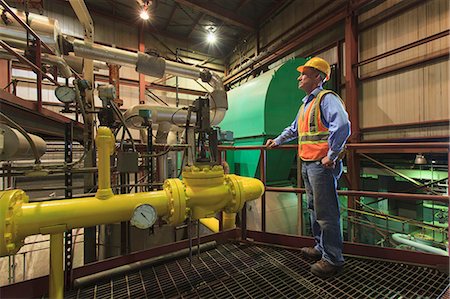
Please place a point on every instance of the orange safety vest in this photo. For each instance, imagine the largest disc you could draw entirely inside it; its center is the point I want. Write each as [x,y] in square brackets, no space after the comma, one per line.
[312,133]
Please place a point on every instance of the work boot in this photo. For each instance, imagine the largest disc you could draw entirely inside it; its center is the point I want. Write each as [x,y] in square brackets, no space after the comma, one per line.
[311,253]
[324,269]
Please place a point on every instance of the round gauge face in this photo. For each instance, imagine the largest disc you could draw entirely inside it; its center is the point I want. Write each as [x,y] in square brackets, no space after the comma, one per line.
[144,216]
[65,94]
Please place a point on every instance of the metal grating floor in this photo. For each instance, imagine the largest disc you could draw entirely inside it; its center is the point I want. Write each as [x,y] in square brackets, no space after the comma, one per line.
[254,271]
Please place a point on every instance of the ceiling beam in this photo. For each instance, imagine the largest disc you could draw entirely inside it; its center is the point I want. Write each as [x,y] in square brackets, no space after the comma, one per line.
[199,17]
[172,12]
[240,4]
[127,21]
[219,13]
[271,10]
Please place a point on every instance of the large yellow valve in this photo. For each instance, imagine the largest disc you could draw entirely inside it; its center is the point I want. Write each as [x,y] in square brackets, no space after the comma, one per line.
[204,191]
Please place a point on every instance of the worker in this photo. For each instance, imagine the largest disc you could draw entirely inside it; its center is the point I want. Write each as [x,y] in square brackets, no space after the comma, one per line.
[322,128]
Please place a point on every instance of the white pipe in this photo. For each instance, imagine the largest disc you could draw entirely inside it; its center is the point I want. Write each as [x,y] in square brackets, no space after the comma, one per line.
[47,28]
[14,146]
[159,114]
[104,53]
[156,67]
[409,240]
[63,68]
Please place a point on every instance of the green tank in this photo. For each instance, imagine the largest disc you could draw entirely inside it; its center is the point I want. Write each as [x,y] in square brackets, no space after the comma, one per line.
[259,110]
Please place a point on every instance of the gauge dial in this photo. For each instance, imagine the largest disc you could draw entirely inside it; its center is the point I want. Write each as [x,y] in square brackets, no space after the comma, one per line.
[144,216]
[65,94]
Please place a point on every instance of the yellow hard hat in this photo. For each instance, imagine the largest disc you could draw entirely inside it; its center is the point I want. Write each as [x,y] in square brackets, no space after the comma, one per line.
[319,64]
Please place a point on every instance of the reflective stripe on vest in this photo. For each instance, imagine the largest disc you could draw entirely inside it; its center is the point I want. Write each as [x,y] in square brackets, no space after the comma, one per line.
[313,135]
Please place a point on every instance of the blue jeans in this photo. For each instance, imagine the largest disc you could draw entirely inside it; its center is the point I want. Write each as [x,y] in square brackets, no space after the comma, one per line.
[323,205]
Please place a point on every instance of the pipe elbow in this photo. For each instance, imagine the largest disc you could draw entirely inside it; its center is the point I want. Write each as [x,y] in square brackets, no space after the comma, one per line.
[217,98]
[63,68]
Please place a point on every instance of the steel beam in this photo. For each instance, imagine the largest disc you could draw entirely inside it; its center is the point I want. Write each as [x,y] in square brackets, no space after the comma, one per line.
[219,13]
[390,254]
[45,123]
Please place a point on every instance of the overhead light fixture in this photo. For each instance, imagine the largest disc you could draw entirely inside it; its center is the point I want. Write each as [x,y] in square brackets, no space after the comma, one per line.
[211,37]
[144,13]
[420,160]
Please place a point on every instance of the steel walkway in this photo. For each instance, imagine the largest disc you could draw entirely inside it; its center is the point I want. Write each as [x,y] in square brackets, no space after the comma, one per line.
[235,270]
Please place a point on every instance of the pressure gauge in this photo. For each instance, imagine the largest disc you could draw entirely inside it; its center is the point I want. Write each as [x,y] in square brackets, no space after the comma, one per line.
[65,94]
[144,216]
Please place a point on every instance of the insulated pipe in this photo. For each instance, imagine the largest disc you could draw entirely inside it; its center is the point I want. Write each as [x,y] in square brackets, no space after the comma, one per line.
[409,240]
[47,28]
[50,59]
[77,63]
[16,147]
[104,53]
[156,67]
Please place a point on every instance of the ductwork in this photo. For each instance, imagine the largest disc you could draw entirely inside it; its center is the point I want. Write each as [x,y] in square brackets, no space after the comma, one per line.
[156,67]
[47,28]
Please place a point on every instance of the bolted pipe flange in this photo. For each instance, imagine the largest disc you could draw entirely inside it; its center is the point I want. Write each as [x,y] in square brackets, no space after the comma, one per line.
[176,192]
[10,207]
[237,197]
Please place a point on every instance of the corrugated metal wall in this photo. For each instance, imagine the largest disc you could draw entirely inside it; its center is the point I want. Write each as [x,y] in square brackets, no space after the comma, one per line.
[410,95]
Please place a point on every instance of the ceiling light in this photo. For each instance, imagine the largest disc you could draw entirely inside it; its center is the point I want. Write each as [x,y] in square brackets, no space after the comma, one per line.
[144,13]
[420,160]
[211,37]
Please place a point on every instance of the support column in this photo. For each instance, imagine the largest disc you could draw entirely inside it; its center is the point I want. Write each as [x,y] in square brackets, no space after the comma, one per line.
[56,288]
[5,74]
[90,233]
[351,98]
[141,76]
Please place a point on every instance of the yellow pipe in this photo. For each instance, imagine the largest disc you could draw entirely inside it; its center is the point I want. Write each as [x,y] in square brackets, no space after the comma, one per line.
[203,192]
[106,145]
[229,220]
[40,217]
[211,223]
[56,284]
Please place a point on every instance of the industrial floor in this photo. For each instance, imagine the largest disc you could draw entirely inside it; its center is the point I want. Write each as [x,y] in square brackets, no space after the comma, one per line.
[237,270]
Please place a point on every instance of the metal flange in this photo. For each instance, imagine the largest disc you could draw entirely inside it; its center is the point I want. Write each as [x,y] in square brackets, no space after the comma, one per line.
[10,207]
[176,193]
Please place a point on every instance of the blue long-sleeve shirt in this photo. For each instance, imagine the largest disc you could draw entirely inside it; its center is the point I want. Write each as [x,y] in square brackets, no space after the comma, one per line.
[333,116]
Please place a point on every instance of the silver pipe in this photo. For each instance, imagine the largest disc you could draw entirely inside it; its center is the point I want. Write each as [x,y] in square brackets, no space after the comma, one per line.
[104,53]
[47,28]
[182,70]
[76,63]
[63,68]
[82,281]
[156,67]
